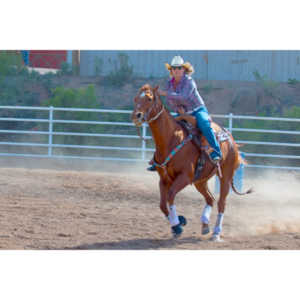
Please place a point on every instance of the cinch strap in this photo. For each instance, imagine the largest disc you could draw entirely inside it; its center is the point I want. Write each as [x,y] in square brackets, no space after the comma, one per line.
[173,152]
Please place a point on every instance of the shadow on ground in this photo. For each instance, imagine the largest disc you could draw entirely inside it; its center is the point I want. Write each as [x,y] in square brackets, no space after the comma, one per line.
[137,244]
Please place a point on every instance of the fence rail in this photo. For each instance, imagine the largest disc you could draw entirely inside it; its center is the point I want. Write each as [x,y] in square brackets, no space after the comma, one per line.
[51,133]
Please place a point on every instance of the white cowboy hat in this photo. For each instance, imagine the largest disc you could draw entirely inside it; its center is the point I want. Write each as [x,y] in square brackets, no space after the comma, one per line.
[178,61]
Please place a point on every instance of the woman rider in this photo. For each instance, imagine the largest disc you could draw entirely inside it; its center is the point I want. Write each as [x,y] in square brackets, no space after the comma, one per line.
[181,94]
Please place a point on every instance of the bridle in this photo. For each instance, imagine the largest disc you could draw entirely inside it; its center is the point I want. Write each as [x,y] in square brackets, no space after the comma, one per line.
[146,118]
[149,111]
[156,116]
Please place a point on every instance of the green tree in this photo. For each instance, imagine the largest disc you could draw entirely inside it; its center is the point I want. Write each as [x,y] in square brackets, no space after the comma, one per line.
[10,63]
[74,98]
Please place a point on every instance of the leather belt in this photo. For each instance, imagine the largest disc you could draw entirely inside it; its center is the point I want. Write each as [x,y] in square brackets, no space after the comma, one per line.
[194,110]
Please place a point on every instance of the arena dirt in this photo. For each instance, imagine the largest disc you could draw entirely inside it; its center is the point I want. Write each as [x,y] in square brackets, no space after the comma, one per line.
[119,209]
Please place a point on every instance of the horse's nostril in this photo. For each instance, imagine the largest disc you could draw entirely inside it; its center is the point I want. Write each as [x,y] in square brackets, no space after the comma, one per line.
[138,115]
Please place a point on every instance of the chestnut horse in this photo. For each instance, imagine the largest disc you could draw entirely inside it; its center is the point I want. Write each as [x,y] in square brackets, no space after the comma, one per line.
[176,160]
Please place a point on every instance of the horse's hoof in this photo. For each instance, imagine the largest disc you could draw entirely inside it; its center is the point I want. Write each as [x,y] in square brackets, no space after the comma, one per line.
[182,220]
[177,231]
[205,230]
[216,238]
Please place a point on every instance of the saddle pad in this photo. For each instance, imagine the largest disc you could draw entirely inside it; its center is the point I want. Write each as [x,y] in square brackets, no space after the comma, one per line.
[222,136]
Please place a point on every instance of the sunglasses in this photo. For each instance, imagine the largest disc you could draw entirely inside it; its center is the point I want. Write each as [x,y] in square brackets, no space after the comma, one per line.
[174,68]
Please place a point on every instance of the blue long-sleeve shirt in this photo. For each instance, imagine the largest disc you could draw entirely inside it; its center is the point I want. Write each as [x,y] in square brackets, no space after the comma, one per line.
[184,95]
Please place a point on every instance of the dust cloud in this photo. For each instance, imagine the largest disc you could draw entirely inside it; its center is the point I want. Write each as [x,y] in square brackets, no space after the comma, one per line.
[273,207]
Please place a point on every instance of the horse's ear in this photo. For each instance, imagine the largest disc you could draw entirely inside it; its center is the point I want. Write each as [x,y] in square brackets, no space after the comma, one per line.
[155,92]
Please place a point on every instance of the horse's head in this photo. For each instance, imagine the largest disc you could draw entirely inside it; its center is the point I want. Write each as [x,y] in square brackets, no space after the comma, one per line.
[147,105]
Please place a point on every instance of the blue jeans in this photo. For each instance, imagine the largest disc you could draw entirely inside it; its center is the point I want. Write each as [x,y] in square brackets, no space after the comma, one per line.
[203,124]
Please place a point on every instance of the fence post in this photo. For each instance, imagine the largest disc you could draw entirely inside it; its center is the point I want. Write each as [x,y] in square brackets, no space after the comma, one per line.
[50,130]
[144,142]
[230,122]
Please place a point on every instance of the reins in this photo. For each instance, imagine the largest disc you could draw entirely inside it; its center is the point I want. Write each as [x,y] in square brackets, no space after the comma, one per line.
[138,129]
[157,116]
[176,149]
[149,121]
[150,110]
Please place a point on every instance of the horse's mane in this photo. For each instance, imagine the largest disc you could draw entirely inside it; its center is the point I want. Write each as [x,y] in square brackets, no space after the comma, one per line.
[146,87]
[147,90]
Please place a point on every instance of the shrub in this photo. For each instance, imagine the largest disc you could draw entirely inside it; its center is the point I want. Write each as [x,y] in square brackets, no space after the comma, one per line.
[10,63]
[14,92]
[98,66]
[208,88]
[269,86]
[65,69]
[293,81]
[122,72]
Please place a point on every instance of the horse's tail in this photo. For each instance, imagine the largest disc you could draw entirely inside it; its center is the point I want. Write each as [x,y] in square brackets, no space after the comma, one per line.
[240,160]
[237,192]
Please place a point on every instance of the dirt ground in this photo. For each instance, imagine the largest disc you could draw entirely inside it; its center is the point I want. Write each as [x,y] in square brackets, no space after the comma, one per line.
[79,209]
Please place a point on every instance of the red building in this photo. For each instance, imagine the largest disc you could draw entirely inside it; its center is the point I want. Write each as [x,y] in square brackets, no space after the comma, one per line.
[51,59]
[47,58]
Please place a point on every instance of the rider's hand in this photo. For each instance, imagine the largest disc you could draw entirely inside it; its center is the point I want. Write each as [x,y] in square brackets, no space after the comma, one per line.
[181,110]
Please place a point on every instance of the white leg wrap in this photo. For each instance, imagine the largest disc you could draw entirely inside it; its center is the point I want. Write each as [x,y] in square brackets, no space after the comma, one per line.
[218,227]
[206,214]
[173,218]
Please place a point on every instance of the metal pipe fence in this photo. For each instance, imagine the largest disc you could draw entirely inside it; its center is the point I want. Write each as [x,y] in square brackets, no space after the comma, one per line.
[14,142]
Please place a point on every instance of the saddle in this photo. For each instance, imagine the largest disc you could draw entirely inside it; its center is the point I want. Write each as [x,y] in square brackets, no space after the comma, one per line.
[189,124]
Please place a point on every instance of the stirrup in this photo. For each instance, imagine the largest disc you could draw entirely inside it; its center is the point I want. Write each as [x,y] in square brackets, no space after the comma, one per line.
[216,159]
[151,168]
[216,162]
